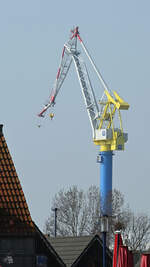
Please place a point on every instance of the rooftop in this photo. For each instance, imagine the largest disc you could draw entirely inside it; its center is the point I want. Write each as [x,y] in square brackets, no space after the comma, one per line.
[70,249]
[14,213]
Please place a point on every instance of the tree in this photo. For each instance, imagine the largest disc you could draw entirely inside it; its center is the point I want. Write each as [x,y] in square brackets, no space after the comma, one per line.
[79,214]
[137,232]
[121,212]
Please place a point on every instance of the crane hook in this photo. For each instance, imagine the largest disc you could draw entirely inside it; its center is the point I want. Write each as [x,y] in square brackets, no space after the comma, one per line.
[51,115]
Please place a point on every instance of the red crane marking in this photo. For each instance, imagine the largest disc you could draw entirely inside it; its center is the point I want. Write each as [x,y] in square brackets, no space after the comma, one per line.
[52,98]
[63,52]
[58,74]
[79,38]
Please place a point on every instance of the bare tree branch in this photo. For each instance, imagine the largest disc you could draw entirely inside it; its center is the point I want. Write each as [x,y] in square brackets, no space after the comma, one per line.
[79,214]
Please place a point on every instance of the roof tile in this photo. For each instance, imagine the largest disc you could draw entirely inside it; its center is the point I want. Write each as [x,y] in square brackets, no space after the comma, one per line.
[14,213]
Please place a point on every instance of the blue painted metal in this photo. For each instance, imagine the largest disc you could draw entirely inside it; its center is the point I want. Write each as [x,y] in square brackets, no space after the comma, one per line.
[106,182]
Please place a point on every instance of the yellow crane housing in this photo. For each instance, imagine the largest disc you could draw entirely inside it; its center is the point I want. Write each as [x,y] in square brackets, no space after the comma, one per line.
[115,137]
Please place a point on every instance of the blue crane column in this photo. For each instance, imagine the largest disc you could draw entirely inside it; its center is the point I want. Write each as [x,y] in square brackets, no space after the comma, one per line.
[105,194]
[106,182]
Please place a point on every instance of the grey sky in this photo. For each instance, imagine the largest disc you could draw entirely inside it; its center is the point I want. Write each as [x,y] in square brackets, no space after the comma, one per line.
[61,152]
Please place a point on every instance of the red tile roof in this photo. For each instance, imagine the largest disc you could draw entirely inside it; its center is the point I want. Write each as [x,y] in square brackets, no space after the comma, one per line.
[14,213]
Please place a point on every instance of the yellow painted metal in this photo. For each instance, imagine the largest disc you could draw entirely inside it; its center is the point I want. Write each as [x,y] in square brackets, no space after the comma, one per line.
[116,143]
[112,100]
[120,119]
[123,105]
[112,105]
[105,116]
[113,113]
[111,118]
[118,101]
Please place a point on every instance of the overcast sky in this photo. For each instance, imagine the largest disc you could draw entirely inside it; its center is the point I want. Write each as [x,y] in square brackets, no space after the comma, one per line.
[61,153]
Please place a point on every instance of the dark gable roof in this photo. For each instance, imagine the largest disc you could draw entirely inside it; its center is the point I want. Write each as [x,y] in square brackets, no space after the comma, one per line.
[14,213]
[71,249]
[51,251]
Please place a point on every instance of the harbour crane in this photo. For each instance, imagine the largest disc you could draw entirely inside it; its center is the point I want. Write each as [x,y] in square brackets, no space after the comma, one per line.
[104,113]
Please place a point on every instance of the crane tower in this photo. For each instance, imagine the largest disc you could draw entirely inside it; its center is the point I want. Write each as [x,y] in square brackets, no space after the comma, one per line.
[104,112]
